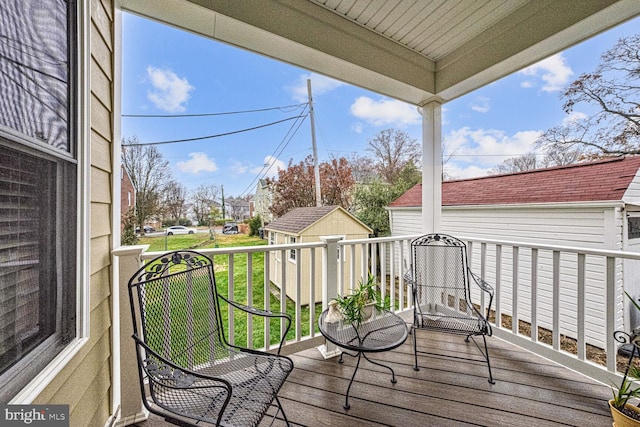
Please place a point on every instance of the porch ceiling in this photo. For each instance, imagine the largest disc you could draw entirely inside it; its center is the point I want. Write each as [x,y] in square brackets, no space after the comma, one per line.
[413,50]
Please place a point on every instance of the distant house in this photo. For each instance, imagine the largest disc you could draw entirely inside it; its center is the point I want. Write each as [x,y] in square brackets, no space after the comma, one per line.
[593,205]
[127,195]
[237,208]
[303,225]
[263,200]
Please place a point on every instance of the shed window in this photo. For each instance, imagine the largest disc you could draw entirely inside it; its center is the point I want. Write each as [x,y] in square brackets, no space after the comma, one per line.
[292,252]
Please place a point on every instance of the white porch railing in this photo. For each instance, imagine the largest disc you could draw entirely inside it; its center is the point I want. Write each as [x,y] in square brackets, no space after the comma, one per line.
[569,292]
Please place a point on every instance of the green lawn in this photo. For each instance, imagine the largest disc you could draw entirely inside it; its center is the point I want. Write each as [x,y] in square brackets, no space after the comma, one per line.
[202,241]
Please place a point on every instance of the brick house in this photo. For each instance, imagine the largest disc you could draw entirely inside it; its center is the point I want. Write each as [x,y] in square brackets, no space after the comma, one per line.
[127,195]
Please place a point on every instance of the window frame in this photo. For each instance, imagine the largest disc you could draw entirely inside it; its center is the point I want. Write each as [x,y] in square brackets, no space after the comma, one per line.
[292,252]
[79,134]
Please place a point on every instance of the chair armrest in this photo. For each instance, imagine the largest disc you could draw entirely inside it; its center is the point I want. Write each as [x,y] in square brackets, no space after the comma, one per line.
[408,275]
[482,284]
[262,313]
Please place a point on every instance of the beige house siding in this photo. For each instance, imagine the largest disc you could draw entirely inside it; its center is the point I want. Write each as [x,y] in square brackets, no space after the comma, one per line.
[85,383]
[338,222]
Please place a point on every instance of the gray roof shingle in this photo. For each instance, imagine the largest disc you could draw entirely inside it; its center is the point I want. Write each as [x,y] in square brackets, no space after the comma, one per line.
[298,219]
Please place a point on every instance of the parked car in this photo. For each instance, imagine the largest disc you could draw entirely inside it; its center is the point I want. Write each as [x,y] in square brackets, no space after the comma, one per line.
[179,229]
[230,228]
[147,229]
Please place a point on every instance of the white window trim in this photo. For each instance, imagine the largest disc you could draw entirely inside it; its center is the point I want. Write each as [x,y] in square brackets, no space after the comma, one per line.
[32,390]
[116,218]
[292,251]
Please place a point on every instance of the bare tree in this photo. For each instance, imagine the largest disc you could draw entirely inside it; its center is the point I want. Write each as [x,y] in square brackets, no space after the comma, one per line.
[556,155]
[447,175]
[523,163]
[174,199]
[149,173]
[363,168]
[613,89]
[561,155]
[202,201]
[393,150]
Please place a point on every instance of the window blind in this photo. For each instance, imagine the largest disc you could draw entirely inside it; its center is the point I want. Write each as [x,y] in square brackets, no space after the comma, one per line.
[27,288]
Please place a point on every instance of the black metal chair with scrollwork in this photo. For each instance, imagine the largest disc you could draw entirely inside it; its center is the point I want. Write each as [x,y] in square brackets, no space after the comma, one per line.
[441,286]
[189,373]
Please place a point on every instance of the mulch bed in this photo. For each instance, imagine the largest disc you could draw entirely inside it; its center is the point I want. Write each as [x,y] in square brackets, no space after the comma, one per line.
[594,354]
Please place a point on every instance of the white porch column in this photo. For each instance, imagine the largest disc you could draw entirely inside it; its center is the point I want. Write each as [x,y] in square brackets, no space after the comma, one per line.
[431,165]
[127,261]
[329,285]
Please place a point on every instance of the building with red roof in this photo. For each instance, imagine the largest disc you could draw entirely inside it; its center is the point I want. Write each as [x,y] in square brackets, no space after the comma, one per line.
[581,204]
[594,204]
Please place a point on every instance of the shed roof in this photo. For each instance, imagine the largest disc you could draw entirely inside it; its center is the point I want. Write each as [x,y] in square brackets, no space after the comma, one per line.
[603,180]
[297,220]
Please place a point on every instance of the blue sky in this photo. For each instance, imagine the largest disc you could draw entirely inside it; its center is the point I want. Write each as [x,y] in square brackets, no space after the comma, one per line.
[167,71]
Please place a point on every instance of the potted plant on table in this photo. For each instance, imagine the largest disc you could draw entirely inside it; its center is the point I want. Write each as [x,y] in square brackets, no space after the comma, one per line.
[358,306]
[625,414]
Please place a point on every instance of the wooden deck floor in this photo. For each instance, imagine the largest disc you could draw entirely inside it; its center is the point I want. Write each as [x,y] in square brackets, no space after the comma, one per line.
[529,390]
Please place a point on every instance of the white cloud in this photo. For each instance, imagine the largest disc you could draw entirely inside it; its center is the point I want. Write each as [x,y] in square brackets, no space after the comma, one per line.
[481,149]
[169,92]
[554,72]
[270,167]
[471,171]
[238,167]
[481,104]
[357,127]
[319,86]
[574,117]
[199,162]
[385,112]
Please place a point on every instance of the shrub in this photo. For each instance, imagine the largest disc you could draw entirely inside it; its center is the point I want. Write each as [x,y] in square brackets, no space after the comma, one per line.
[254,225]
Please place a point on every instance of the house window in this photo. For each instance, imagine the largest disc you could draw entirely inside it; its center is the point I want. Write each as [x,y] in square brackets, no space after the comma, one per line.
[633,227]
[38,188]
[292,252]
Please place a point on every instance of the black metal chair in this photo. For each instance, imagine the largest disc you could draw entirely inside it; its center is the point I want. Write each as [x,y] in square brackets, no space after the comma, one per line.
[189,373]
[441,286]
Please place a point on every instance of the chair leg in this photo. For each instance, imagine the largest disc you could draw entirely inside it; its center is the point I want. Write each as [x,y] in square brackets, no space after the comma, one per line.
[281,410]
[415,349]
[486,355]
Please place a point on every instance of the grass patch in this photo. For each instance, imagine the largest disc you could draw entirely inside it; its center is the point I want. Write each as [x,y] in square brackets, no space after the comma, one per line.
[241,294]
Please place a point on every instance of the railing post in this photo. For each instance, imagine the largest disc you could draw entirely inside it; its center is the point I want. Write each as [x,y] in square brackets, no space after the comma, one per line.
[127,260]
[329,284]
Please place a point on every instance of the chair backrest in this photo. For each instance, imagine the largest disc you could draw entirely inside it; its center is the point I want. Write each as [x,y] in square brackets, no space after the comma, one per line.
[440,275]
[175,308]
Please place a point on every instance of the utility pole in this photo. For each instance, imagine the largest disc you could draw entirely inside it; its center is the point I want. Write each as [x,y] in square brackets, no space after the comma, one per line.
[224,215]
[316,168]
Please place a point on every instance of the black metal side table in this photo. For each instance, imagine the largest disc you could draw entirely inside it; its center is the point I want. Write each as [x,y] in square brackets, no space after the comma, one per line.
[382,332]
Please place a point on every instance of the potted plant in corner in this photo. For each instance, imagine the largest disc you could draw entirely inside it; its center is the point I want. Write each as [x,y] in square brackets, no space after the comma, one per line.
[358,306]
[625,414]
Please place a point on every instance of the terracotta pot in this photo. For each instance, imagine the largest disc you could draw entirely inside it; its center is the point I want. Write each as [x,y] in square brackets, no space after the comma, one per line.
[620,419]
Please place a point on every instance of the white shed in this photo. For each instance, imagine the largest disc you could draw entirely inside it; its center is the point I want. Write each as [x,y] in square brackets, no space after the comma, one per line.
[595,205]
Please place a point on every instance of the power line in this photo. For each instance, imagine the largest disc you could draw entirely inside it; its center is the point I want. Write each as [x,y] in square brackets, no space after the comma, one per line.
[214,136]
[292,107]
[277,152]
